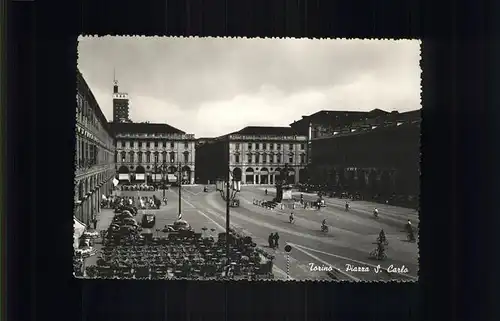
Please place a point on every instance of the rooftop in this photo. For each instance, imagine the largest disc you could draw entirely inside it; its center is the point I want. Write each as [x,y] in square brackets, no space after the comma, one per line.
[144,128]
[93,103]
[325,116]
[266,130]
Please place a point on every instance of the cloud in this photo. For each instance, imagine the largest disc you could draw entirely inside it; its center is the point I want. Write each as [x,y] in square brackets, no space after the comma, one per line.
[211,86]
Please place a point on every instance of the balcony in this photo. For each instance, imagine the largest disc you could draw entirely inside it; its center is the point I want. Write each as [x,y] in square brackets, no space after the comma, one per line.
[86,167]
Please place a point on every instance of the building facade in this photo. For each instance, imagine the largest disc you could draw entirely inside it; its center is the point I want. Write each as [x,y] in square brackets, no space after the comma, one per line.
[147,153]
[94,155]
[379,155]
[255,155]
[324,122]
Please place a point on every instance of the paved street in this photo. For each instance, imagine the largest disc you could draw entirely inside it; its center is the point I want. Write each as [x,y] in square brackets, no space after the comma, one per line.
[349,241]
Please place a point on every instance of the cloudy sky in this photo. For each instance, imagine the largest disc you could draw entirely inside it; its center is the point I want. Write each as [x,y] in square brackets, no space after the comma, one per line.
[213,86]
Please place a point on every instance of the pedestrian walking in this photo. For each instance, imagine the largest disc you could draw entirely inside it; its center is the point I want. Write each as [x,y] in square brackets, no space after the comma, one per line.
[95,223]
[271,240]
[276,240]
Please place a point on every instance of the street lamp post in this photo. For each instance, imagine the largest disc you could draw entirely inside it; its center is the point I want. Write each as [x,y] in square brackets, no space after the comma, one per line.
[123,163]
[156,170]
[179,182]
[163,172]
[180,189]
[229,198]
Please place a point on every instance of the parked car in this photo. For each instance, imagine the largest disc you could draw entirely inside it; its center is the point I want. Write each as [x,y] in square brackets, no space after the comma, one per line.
[148,221]
[179,225]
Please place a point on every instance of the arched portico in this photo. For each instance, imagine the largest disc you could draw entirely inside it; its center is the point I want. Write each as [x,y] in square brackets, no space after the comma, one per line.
[237,174]
[264,176]
[249,176]
[303,175]
[140,174]
[187,176]
[291,176]
[123,173]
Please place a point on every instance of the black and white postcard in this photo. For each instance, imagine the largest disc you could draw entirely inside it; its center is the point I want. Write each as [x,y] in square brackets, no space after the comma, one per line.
[247,159]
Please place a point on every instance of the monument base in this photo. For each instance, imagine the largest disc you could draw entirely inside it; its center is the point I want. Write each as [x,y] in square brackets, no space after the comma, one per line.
[287,194]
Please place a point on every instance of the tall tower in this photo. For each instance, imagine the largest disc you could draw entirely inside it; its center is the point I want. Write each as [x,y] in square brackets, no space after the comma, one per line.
[120,105]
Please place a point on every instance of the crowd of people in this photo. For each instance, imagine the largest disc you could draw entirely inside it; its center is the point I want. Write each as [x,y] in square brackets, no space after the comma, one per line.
[139,202]
[131,252]
[180,255]
[137,187]
[410,201]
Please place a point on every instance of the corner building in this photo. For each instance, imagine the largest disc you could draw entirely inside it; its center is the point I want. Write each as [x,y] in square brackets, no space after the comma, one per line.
[378,154]
[94,155]
[146,152]
[255,155]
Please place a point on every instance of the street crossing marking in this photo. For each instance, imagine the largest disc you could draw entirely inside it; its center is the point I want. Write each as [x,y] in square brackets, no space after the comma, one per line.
[188,202]
[182,198]
[303,248]
[192,193]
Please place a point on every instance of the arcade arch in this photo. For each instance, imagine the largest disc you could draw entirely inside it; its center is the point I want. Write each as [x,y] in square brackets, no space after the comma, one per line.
[237,174]
[249,176]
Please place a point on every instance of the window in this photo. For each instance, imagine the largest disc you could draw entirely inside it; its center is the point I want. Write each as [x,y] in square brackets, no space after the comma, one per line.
[186,157]
[157,155]
[250,146]
[302,158]
[249,158]
[278,146]
[139,157]
[172,157]
[237,146]
[140,144]
[148,157]
[271,146]
[290,159]
[290,147]
[123,157]
[186,145]
[278,159]
[264,146]
[302,146]
[236,158]
[264,159]
[131,157]
[164,156]
[257,158]
[257,146]
[164,144]
[156,144]
[171,145]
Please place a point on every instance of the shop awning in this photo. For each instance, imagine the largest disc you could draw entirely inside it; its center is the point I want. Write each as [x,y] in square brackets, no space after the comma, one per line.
[79,228]
[123,177]
[140,177]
